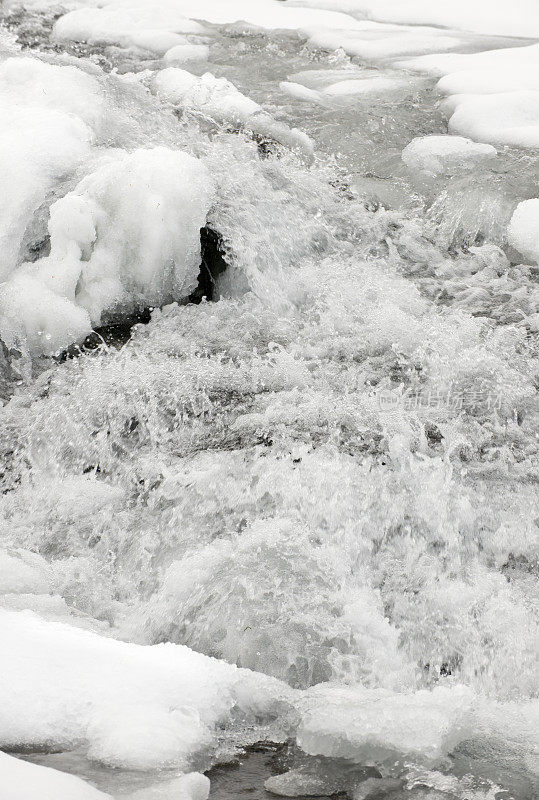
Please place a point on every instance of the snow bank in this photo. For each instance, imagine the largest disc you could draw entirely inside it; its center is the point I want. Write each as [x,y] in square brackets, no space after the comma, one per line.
[372,40]
[518,18]
[445,154]
[220,100]
[151,26]
[493,95]
[132,706]
[523,231]
[127,235]
[21,780]
[371,725]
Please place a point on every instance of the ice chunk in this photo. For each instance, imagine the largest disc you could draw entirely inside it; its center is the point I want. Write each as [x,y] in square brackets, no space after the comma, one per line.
[366,725]
[220,100]
[523,231]
[133,706]
[129,234]
[379,41]
[21,780]
[445,154]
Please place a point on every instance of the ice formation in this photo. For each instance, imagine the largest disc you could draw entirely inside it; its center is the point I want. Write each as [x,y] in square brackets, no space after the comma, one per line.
[127,235]
[23,781]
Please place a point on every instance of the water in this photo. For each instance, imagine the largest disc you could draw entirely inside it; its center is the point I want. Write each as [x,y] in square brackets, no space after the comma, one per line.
[330,474]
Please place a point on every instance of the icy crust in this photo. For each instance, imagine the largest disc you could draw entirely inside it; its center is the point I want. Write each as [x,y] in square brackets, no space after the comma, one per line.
[127,235]
[220,100]
[131,706]
[493,96]
[369,726]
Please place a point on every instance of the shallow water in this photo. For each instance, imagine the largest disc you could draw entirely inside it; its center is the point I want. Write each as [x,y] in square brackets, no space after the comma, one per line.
[330,474]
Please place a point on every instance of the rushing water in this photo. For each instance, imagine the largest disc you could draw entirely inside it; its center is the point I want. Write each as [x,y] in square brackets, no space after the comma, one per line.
[330,473]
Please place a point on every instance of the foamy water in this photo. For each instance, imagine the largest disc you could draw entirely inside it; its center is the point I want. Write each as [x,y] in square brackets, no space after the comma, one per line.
[328,475]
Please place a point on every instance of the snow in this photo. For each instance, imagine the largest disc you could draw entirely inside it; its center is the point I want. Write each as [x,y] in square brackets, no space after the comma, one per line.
[132,706]
[523,231]
[377,41]
[503,18]
[445,154]
[371,725]
[24,781]
[22,572]
[493,95]
[220,100]
[128,234]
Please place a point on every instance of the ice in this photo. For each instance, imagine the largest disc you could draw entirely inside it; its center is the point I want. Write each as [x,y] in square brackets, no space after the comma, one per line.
[493,94]
[132,706]
[369,726]
[127,235]
[22,572]
[505,18]
[523,231]
[220,100]
[374,41]
[510,118]
[45,115]
[445,154]
[193,786]
[152,26]
[21,780]
[182,53]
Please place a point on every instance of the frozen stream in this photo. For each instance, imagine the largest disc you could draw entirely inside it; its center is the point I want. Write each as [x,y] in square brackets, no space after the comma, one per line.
[326,474]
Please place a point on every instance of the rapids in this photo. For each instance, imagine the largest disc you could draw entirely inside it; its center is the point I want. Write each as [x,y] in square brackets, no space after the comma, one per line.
[329,475]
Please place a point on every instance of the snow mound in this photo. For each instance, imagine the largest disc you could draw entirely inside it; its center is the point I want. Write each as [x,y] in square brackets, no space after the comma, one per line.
[371,725]
[24,781]
[151,26]
[445,154]
[133,706]
[493,95]
[128,234]
[220,100]
[523,231]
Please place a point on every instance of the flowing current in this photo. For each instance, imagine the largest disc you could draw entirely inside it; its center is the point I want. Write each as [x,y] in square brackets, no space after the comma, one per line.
[327,473]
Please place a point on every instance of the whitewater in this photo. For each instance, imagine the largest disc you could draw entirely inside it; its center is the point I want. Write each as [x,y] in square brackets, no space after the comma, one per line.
[269,357]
